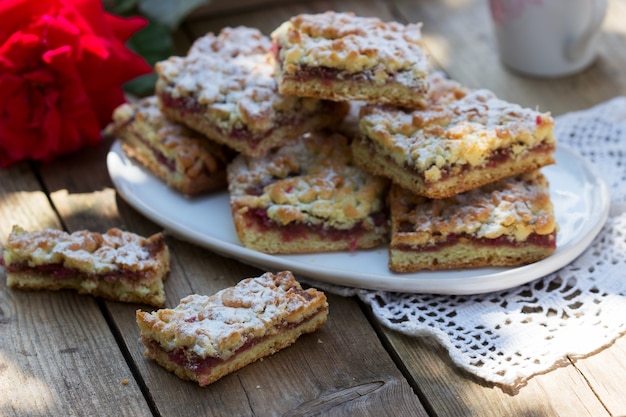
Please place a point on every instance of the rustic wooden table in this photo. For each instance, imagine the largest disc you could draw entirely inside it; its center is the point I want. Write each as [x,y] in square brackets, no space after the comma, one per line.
[66,354]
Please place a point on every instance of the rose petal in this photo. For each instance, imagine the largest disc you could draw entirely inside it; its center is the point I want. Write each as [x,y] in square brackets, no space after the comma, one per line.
[17,14]
[124,28]
[56,32]
[22,50]
[62,67]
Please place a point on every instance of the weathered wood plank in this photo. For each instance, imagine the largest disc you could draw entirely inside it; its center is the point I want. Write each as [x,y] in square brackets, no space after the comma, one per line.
[55,339]
[213,8]
[451,391]
[605,372]
[269,18]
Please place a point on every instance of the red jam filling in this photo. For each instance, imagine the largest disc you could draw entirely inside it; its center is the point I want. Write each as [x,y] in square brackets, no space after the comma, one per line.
[546,241]
[497,157]
[241,134]
[59,272]
[184,358]
[327,74]
[295,231]
[169,163]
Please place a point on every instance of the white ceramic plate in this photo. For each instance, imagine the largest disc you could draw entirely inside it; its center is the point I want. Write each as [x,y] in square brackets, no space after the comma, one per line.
[580,197]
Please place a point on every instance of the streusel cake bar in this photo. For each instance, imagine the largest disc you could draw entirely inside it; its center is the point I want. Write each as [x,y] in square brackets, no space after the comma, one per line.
[507,223]
[342,57]
[182,158]
[225,88]
[462,140]
[118,265]
[307,196]
[205,338]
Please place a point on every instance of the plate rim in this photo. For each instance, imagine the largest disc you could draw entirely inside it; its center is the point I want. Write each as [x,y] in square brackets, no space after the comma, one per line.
[504,278]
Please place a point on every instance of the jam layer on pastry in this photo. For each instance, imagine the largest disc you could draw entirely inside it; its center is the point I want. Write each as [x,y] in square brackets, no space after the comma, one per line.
[343,57]
[303,237]
[184,159]
[307,197]
[205,338]
[118,265]
[451,179]
[225,88]
[461,140]
[506,223]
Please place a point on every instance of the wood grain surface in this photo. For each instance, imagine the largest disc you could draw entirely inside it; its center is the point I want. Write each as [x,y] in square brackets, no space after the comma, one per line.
[63,354]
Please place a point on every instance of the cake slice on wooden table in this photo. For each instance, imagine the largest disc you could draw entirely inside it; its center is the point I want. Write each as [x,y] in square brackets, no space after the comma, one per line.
[118,265]
[225,88]
[307,196]
[207,337]
[462,140]
[343,57]
[507,223]
[184,159]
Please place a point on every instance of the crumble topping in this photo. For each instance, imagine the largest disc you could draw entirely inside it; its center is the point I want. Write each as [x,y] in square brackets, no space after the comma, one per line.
[233,74]
[459,126]
[218,325]
[86,251]
[515,207]
[352,43]
[193,153]
[309,181]
[240,41]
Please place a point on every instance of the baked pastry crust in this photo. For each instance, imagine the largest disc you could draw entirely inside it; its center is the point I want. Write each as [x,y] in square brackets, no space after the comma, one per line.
[207,337]
[307,197]
[118,265]
[462,140]
[340,56]
[507,223]
[225,88]
[182,158]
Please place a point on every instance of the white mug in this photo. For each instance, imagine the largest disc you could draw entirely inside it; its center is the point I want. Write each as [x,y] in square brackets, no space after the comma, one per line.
[547,38]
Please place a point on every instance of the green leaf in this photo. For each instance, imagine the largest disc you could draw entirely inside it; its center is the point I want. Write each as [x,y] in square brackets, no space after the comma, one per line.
[170,13]
[141,86]
[125,7]
[154,43]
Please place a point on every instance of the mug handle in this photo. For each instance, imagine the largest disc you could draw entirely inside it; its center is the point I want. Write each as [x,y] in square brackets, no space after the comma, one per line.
[576,47]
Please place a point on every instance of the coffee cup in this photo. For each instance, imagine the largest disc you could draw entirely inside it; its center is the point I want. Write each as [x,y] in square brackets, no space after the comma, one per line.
[547,38]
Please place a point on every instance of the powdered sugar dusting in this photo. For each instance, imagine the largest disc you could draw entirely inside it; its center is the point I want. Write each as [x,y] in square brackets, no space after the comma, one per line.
[219,324]
[514,207]
[232,72]
[312,180]
[459,126]
[86,251]
[353,43]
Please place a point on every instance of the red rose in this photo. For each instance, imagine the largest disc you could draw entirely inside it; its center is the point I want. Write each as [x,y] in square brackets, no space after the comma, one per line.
[62,67]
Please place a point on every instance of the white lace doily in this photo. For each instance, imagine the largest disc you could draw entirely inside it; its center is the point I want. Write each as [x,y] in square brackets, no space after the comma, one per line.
[506,337]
